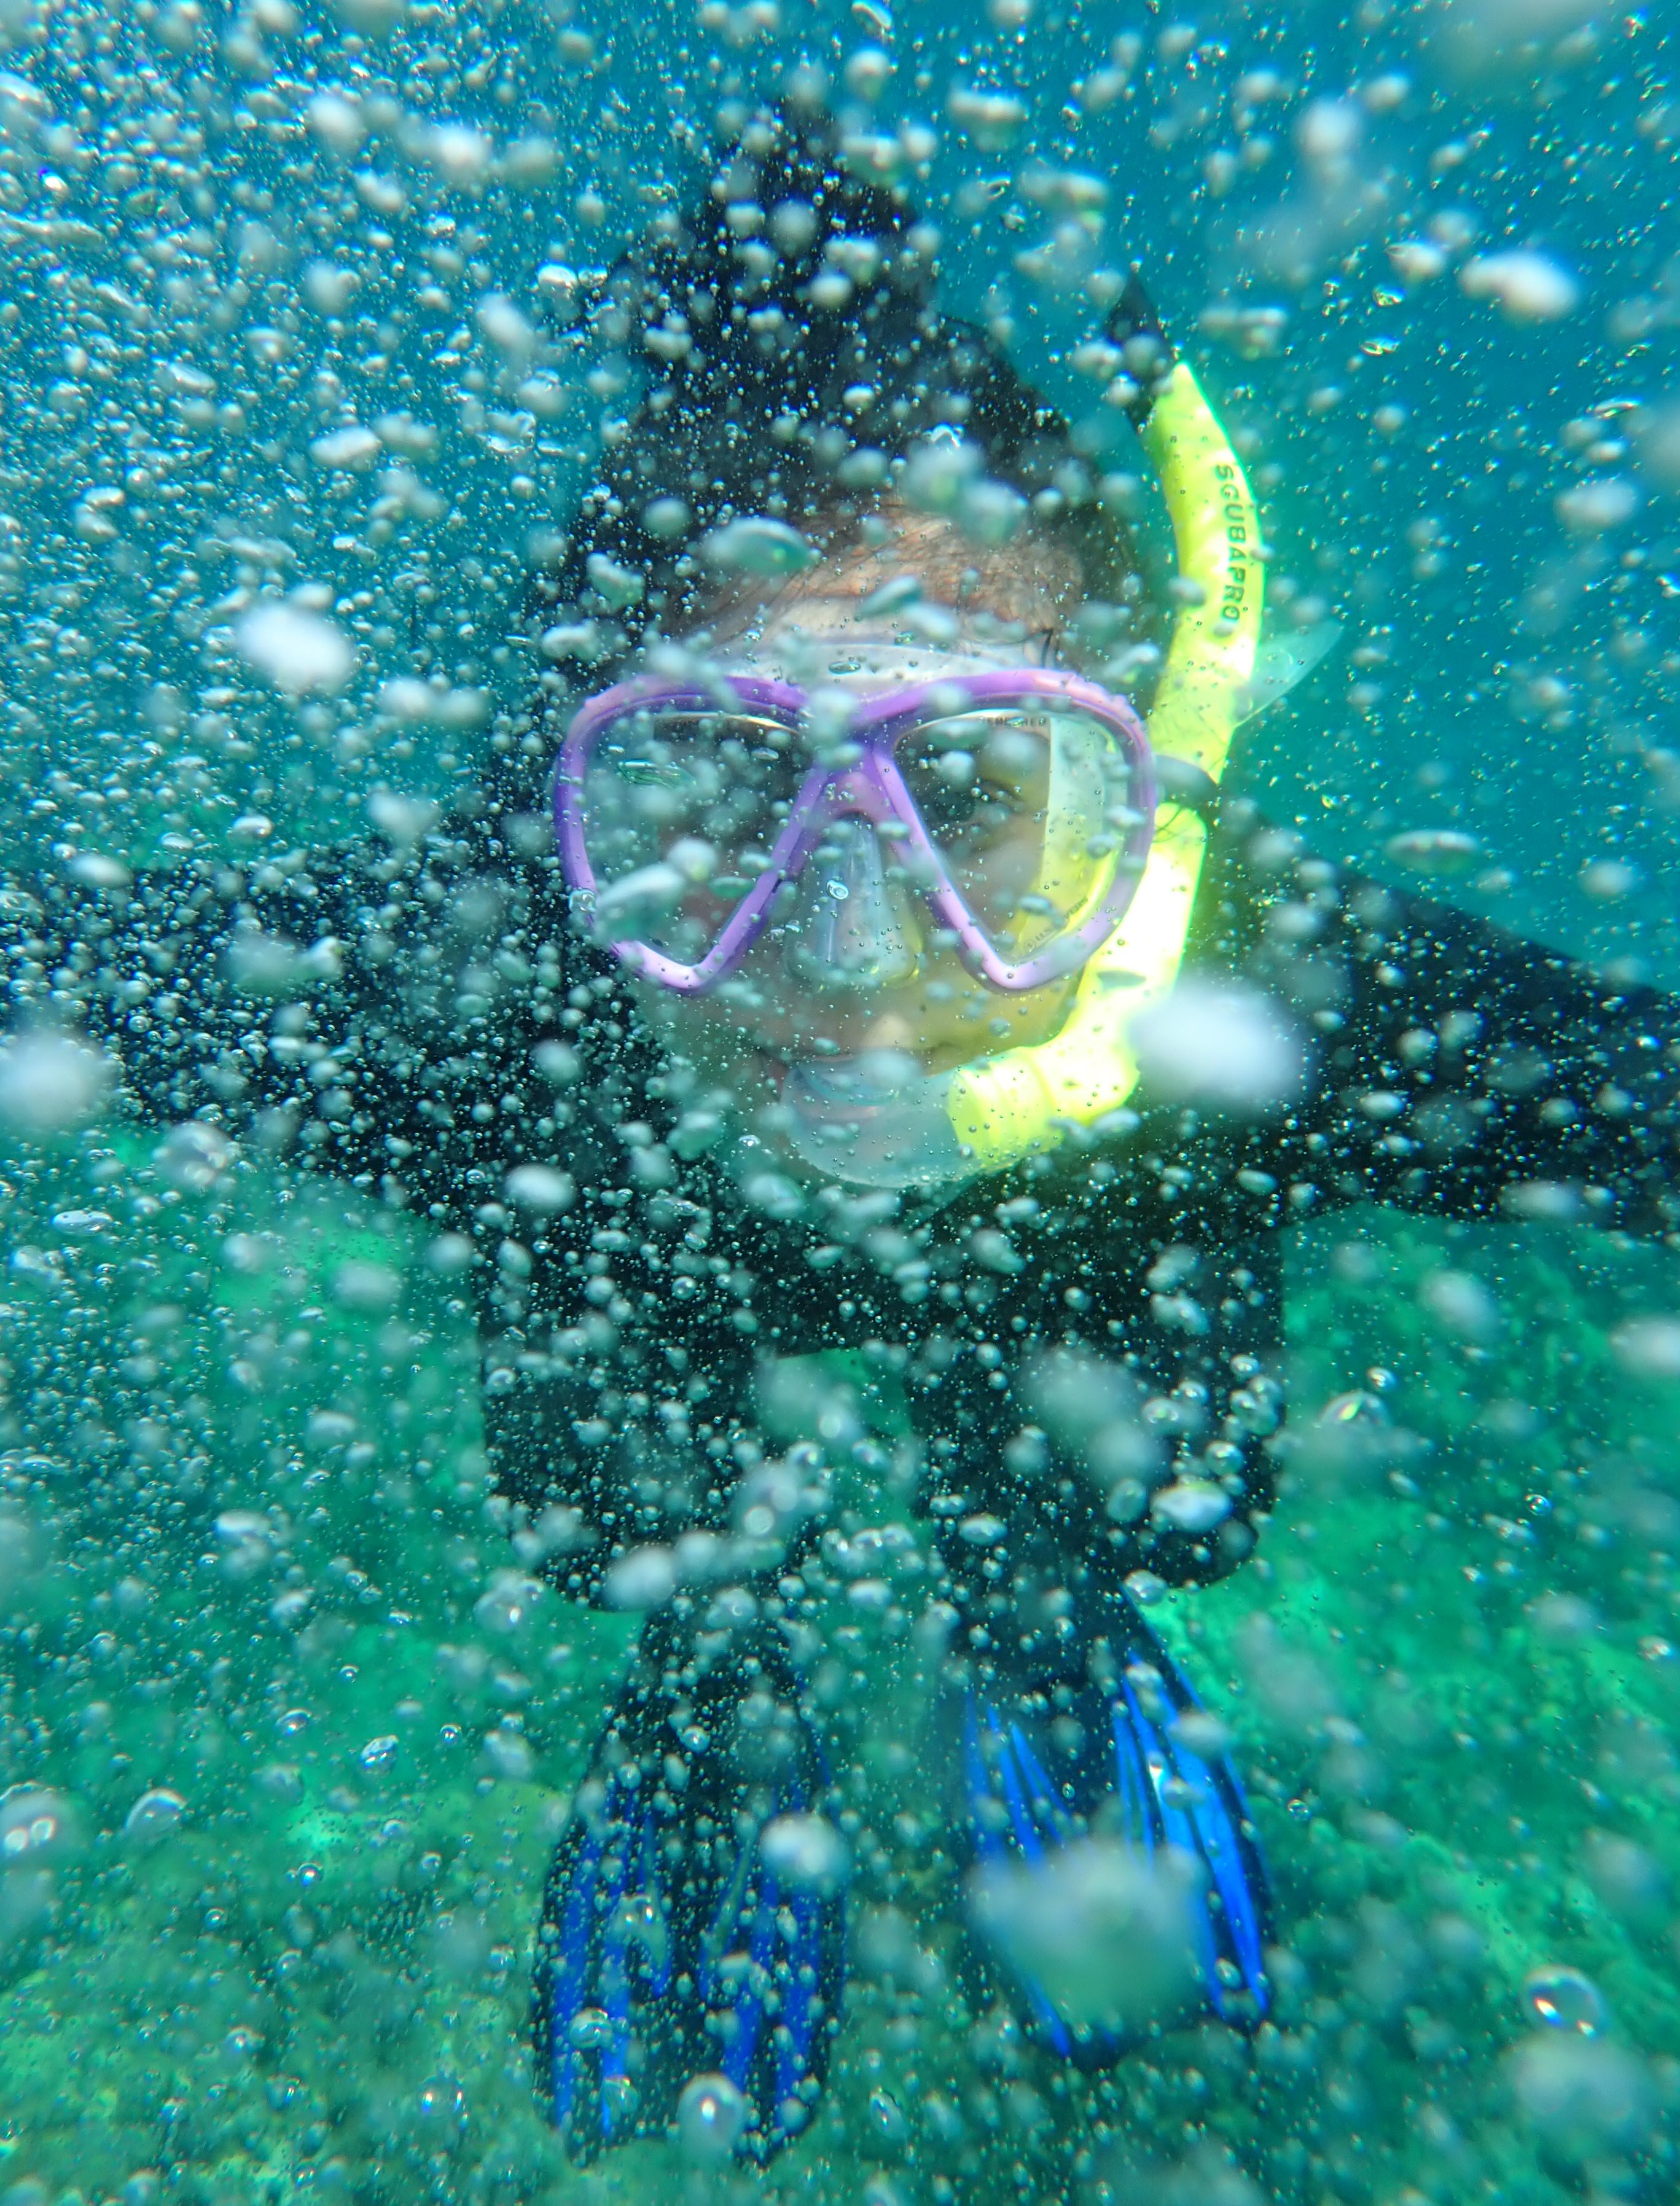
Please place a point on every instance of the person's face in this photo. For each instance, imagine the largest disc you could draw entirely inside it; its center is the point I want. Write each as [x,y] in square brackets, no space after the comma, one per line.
[863,968]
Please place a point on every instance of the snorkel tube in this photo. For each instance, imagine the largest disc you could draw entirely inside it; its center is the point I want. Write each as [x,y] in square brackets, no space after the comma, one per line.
[990,1113]
[1002,1108]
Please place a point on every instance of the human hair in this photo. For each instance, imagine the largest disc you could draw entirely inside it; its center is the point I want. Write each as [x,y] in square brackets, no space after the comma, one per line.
[799,367]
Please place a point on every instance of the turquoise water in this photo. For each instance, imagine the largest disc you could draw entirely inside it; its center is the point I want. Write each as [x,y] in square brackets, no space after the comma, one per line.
[299,1732]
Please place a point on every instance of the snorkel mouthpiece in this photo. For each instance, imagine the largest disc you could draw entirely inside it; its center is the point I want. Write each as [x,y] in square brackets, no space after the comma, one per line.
[874,1120]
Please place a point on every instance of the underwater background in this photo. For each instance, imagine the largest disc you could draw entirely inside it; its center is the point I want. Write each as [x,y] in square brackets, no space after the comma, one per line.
[288,305]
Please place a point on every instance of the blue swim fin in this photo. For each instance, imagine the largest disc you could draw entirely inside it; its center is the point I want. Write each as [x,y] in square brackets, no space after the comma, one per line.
[675,1947]
[1087,1743]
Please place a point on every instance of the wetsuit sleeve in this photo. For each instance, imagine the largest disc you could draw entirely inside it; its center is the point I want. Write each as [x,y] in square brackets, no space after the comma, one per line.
[407,1021]
[238,998]
[1454,1068]
[355,1005]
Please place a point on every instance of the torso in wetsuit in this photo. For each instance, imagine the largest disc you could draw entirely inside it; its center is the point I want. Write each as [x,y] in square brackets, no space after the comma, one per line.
[1450,1070]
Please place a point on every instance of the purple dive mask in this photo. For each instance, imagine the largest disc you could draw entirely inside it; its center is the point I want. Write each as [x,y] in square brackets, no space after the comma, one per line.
[1015,809]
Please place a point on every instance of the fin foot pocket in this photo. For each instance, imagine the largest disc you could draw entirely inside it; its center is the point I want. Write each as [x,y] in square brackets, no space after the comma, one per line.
[1109,1858]
[690,1960]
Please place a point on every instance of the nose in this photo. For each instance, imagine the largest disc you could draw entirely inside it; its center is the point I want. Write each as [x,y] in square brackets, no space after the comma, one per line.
[857,929]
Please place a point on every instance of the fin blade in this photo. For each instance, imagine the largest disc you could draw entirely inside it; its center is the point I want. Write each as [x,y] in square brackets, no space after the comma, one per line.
[1210,1822]
[560,1992]
[1116,1768]
[657,1983]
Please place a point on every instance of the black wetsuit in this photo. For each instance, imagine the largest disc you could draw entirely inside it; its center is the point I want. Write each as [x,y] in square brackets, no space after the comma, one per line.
[1454,1071]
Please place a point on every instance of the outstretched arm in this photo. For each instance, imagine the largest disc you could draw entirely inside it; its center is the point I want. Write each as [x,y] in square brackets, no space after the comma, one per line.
[364,1002]
[1457,1069]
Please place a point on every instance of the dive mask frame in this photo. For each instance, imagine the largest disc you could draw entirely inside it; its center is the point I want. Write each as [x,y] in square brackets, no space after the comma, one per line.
[868,784]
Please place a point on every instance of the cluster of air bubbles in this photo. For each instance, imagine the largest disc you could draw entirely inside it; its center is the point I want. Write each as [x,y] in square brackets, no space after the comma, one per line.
[400,1314]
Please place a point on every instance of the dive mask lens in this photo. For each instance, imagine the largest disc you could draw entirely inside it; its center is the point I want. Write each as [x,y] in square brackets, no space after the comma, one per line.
[1027,809]
[680,810]
[1006,814]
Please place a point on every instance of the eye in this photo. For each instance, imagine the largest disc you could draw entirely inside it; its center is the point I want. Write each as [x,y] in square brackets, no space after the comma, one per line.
[967,814]
[1016,758]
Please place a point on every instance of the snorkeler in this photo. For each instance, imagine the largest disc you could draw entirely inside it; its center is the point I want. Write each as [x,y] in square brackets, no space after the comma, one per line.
[900,986]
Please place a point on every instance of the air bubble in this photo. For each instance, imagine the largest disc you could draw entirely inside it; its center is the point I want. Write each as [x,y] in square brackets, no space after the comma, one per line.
[710,2115]
[1560,1998]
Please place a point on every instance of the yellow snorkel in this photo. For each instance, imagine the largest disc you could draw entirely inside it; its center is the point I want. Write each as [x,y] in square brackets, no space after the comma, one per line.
[1002,1108]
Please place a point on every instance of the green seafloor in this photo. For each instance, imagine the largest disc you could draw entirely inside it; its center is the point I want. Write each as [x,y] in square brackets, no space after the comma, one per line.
[268,1929]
